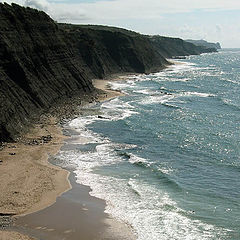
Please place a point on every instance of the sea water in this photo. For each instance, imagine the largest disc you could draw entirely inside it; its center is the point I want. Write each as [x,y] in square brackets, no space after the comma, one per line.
[166,156]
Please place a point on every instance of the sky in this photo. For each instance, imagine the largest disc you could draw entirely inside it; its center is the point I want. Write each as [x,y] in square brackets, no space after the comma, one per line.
[211,20]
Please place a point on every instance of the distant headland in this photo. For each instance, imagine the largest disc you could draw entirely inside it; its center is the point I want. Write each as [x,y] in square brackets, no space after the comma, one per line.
[205,43]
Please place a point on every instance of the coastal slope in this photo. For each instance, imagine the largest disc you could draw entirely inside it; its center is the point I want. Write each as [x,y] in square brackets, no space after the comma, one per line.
[37,67]
[109,50]
[44,63]
[204,43]
[174,47]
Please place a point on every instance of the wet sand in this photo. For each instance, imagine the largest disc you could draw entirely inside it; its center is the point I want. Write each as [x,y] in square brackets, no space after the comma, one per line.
[75,214]
[103,84]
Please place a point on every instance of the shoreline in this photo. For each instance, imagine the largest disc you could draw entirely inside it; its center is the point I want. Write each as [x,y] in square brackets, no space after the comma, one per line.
[75,215]
[49,192]
[28,182]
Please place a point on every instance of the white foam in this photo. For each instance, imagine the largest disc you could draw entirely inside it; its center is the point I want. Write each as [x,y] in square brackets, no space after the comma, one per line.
[173,69]
[151,212]
[117,109]
[231,81]
[145,91]
[167,99]
[112,110]
[157,99]
[229,103]
[119,85]
[135,159]
[80,125]
[149,209]
[135,78]
[197,94]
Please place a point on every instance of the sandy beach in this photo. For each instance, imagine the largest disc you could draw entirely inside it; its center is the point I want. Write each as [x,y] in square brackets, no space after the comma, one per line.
[29,183]
[103,84]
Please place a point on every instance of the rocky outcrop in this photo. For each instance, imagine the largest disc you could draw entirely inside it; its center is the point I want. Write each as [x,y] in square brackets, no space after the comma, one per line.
[205,44]
[43,63]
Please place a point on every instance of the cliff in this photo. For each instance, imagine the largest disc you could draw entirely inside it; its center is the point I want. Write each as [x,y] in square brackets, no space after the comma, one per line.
[204,43]
[42,62]
[108,50]
[37,67]
[172,47]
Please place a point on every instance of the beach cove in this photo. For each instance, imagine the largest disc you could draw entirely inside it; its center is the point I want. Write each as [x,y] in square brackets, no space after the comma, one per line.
[45,186]
[68,141]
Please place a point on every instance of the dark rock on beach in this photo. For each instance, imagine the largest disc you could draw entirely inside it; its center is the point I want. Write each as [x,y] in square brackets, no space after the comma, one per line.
[12,154]
[5,221]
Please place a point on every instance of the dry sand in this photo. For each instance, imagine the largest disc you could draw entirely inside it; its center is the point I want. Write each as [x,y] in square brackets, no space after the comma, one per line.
[7,235]
[30,183]
[104,85]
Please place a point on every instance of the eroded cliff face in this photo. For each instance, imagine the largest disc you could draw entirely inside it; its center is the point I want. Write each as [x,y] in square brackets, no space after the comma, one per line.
[37,67]
[42,62]
[108,50]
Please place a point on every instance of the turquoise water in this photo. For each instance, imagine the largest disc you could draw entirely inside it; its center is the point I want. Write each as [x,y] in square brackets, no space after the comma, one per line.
[166,157]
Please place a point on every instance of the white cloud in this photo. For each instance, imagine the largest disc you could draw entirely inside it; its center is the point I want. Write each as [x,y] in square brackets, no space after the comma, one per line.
[150,16]
[39,4]
[20,2]
[128,9]
[149,8]
[133,9]
[67,14]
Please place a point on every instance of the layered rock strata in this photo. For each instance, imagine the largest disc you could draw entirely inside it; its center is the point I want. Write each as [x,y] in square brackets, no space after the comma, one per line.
[43,63]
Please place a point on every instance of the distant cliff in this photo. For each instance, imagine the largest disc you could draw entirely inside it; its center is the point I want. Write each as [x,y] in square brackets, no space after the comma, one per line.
[42,62]
[172,47]
[108,50]
[204,43]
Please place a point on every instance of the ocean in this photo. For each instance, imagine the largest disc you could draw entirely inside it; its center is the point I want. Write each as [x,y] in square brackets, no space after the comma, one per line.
[166,156]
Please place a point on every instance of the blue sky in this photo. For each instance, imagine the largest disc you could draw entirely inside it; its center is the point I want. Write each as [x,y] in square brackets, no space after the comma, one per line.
[212,20]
